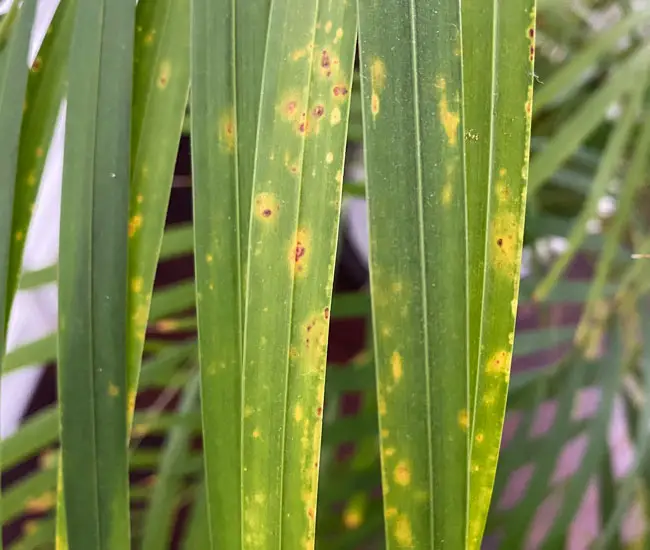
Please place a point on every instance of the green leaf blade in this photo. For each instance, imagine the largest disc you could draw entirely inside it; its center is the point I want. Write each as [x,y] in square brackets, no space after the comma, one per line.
[217,228]
[412,90]
[496,191]
[93,275]
[161,79]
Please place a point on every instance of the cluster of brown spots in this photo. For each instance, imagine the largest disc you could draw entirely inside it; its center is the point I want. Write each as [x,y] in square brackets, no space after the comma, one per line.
[499,364]
[340,91]
[318,111]
[326,63]
[319,412]
[299,252]
[266,206]
[326,313]
[532,53]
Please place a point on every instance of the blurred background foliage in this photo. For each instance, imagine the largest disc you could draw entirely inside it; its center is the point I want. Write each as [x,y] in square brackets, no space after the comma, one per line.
[575,465]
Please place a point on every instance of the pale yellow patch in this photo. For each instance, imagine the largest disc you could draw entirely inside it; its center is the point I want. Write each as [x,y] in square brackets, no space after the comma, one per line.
[396,365]
[132,395]
[450,119]
[402,473]
[39,152]
[164,74]
[381,405]
[463,419]
[377,75]
[329,158]
[335,117]
[248,410]
[31,179]
[390,451]
[139,198]
[338,35]
[447,193]
[385,433]
[113,390]
[328,27]
[479,438]
[299,54]
[339,177]
[259,498]
[19,235]
[403,532]
[511,338]
[298,413]
[149,38]
[136,284]
[390,513]
[256,433]
[209,258]
[134,224]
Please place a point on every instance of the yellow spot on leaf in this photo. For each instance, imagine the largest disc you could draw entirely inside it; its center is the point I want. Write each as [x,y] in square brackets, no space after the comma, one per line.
[298,413]
[134,224]
[396,366]
[381,405]
[31,179]
[329,158]
[377,75]
[328,27]
[339,35]
[131,401]
[374,104]
[19,235]
[403,532]
[402,473]
[39,152]
[248,410]
[256,433]
[299,252]
[164,74]
[499,364]
[447,193]
[227,132]
[335,117]
[139,198]
[450,119]
[266,207]
[505,244]
[385,433]
[136,284]
[463,419]
[389,452]
[208,258]
[113,390]
[352,519]
[390,513]
[479,438]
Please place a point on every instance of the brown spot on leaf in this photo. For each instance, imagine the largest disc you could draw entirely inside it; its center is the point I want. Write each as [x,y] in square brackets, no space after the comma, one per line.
[318,111]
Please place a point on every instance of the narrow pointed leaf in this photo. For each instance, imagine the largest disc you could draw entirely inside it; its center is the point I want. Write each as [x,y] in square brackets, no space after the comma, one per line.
[217,259]
[161,80]
[292,243]
[497,140]
[93,277]
[411,85]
